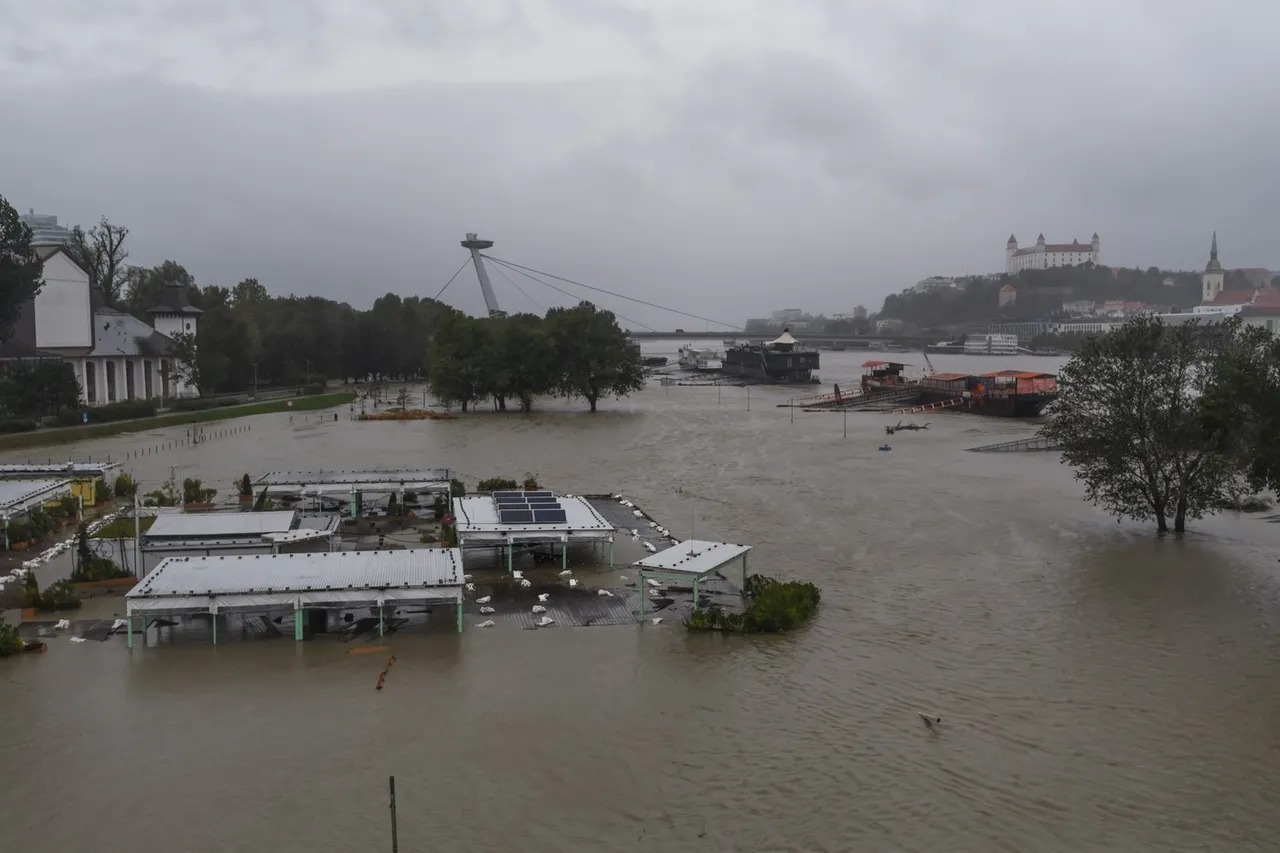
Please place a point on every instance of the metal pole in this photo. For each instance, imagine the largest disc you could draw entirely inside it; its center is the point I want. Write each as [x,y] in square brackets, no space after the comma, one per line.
[845,412]
[748,398]
[137,537]
[380,632]
[395,841]
[459,615]
[642,595]
[130,621]
[792,404]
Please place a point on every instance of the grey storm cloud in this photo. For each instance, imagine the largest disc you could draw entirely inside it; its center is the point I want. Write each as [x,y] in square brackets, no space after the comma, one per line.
[726,157]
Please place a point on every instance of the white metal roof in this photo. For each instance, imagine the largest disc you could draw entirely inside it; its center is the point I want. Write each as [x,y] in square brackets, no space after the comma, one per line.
[693,557]
[220,524]
[316,482]
[297,535]
[56,469]
[477,520]
[17,496]
[261,574]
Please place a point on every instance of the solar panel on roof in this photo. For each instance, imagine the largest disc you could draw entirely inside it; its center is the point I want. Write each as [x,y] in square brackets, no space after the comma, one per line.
[504,500]
[515,516]
[507,494]
[543,499]
[537,492]
[549,516]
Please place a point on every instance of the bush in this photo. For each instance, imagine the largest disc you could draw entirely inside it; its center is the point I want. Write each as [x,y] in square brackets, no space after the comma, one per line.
[59,595]
[775,606]
[19,531]
[10,642]
[125,486]
[194,492]
[104,491]
[313,388]
[9,425]
[530,481]
[245,486]
[494,484]
[68,507]
[127,410]
[457,488]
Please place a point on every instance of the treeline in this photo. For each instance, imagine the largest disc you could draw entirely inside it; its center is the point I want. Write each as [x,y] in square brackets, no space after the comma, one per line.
[578,352]
[1041,293]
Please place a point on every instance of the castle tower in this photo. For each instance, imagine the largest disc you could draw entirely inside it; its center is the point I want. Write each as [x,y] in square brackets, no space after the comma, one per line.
[1010,249]
[1211,280]
[1096,245]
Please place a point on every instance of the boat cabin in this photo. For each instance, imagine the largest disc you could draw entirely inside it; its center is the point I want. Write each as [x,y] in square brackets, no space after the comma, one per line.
[883,376]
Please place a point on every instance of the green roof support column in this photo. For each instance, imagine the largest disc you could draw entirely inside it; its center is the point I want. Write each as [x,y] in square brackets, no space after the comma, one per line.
[641,585]
[129,621]
[459,614]
[215,627]
[380,630]
[564,554]
[510,550]
[744,573]
[611,552]
[298,614]
[6,533]
[695,592]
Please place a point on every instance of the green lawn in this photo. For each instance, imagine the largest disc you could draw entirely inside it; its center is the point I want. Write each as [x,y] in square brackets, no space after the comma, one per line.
[66,435]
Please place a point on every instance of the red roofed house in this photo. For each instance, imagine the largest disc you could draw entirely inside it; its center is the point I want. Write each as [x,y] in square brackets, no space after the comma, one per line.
[1008,295]
[1044,255]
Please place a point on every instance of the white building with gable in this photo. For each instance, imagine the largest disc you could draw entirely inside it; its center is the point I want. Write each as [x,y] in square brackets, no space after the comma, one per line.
[1044,255]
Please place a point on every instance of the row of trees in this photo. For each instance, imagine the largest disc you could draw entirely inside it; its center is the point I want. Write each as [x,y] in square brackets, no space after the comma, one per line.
[246,337]
[571,352]
[1168,423]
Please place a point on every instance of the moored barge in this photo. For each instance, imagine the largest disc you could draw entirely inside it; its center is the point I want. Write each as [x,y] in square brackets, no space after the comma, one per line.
[1005,393]
[782,360]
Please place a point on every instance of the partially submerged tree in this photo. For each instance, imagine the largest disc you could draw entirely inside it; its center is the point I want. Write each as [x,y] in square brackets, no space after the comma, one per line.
[592,354]
[20,268]
[1132,417]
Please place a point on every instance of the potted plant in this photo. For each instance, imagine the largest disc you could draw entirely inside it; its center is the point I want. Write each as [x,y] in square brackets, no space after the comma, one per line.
[245,488]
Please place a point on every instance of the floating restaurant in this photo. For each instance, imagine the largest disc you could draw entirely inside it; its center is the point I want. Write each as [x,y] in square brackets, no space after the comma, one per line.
[507,519]
[310,587]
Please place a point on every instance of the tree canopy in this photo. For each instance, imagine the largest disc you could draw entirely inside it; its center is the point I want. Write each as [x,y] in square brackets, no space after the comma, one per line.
[101,253]
[1150,417]
[20,267]
[571,352]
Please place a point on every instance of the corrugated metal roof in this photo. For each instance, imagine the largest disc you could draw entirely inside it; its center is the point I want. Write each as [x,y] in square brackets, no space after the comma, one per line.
[15,495]
[220,524]
[356,477]
[67,469]
[948,377]
[296,535]
[417,568]
[693,557]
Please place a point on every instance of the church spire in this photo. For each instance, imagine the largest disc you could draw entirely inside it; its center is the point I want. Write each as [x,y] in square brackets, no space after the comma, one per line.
[1213,249]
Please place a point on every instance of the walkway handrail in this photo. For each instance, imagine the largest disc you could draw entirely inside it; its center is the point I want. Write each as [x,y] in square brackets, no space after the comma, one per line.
[1035,442]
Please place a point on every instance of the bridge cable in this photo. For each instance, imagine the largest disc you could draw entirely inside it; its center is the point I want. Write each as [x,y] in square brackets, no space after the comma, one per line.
[729,326]
[452,277]
[573,296]
[512,282]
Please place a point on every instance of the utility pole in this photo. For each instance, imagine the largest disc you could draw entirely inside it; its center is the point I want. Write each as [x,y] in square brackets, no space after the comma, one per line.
[395,841]
[137,534]
[255,380]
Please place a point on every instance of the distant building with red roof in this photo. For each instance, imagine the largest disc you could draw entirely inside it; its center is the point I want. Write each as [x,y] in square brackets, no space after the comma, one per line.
[1044,255]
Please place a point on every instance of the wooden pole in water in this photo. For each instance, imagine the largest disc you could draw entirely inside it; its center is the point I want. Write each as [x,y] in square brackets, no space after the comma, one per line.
[395,841]
[792,404]
[846,423]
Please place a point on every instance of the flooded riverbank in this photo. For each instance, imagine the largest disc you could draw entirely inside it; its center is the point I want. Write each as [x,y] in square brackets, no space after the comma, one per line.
[1101,689]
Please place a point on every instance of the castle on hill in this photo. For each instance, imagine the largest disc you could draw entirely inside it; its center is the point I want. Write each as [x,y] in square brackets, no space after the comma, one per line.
[1044,255]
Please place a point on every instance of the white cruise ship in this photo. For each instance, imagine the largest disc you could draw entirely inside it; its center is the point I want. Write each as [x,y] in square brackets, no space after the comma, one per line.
[991,345]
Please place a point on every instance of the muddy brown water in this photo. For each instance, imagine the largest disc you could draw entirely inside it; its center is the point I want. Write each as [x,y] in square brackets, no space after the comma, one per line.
[1100,688]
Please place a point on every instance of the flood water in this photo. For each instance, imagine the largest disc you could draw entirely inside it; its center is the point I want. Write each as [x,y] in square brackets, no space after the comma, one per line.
[1100,688]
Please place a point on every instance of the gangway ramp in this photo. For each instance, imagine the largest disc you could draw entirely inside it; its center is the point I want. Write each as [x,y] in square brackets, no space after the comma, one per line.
[1021,445]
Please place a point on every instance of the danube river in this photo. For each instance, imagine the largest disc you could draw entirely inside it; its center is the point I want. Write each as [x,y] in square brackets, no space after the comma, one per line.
[1100,688]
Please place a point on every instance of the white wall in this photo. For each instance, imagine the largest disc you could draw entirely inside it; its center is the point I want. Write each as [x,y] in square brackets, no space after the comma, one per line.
[171,324]
[64,316]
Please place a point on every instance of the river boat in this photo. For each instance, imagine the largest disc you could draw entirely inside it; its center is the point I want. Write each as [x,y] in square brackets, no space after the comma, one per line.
[654,361]
[880,376]
[991,345]
[701,360]
[783,360]
[1004,393]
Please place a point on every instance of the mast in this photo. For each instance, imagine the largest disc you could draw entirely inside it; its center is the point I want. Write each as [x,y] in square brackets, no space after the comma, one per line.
[475,244]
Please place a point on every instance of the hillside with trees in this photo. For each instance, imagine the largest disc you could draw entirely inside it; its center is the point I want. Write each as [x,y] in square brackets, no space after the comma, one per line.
[1041,293]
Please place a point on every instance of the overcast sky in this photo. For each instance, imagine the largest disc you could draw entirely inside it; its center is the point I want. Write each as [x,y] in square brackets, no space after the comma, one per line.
[728,157]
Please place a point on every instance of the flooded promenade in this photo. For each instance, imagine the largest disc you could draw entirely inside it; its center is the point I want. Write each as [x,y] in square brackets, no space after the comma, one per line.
[1101,689]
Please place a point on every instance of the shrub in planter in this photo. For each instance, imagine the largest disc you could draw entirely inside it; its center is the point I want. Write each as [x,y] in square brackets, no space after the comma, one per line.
[125,487]
[90,566]
[69,506]
[530,481]
[59,595]
[457,488]
[775,606]
[104,491]
[10,642]
[194,492]
[244,487]
[494,484]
